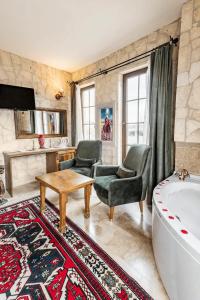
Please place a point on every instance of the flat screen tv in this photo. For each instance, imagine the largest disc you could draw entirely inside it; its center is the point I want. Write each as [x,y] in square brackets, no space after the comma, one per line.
[16,97]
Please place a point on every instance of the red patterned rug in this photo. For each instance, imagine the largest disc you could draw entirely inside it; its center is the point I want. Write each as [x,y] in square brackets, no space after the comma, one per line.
[37,262]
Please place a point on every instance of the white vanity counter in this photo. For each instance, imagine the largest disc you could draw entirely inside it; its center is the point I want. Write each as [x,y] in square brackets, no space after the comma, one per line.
[21,167]
[21,153]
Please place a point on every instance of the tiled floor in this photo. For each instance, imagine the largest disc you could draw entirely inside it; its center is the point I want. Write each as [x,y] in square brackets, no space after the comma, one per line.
[127,239]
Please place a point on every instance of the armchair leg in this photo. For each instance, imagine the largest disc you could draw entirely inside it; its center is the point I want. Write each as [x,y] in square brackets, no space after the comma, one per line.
[141,205]
[111,214]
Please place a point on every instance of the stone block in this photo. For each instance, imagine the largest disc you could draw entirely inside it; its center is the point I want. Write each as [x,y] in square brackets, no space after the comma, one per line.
[195,57]
[195,115]
[185,39]
[193,131]
[187,16]
[181,112]
[188,156]
[194,71]
[182,95]
[172,29]
[196,83]
[191,126]
[194,100]
[196,43]
[16,60]
[195,31]
[196,3]
[184,59]
[141,46]
[179,133]
[152,37]
[3,75]
[182,79]
[5,58]
[196,16]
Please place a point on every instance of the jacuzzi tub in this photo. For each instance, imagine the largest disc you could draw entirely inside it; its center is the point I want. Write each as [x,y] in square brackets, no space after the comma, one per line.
[176,236]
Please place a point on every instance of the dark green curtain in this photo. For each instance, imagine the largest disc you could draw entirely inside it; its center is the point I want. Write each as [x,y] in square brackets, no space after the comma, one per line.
[73,113]
[161,117]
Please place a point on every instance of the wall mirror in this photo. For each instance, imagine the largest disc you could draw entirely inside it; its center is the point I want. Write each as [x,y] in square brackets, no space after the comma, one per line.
[50,123]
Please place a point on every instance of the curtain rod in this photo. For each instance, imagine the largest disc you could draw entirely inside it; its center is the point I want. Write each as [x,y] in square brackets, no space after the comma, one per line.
[172,41]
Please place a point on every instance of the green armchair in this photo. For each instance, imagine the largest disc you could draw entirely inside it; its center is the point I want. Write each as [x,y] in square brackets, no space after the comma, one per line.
[114,191]
[88,157]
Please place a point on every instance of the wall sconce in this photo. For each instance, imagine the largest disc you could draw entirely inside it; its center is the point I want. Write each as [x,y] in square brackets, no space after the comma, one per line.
[59,94]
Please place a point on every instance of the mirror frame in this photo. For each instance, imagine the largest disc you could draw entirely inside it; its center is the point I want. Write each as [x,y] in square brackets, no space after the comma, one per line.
[32,136]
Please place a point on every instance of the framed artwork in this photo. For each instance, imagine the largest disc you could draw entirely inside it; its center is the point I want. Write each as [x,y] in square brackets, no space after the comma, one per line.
[106,123]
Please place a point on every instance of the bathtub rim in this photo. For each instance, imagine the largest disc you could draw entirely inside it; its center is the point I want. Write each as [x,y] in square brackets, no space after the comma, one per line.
[189,241]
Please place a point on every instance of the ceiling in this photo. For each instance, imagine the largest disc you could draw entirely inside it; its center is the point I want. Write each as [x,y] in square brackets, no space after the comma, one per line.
[71,34]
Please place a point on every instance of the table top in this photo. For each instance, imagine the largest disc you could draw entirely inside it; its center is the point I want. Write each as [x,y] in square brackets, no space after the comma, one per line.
[64,181]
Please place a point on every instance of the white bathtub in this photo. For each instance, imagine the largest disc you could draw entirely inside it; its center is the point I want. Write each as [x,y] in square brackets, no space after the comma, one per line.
[176,236]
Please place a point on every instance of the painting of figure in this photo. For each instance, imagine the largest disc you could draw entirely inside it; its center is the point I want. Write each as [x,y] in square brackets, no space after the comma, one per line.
[107,124]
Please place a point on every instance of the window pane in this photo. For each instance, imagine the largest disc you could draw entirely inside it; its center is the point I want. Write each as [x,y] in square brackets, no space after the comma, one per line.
[92,97]
[132,111]
[92,132]
[85,98]
[142,110]
[132,88]
[92,115]
[141,134]
[131,134]
[143,86]
[85,115]
[136,107]
[88,110]
[86,132]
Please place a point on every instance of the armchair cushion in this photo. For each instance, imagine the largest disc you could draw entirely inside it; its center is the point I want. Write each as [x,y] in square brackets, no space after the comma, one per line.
[84,162]
[125,173]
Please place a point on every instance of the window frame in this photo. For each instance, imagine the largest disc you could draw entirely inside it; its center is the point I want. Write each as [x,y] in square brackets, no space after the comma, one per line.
[125,122]
[88,87]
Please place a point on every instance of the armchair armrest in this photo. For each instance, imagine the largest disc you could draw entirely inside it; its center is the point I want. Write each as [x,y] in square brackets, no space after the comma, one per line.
[106,170]
[125,190]
[66,164]
[94,167]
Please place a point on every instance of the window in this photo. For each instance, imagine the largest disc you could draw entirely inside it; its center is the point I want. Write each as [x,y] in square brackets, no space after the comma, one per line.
[88,112]
[135,109]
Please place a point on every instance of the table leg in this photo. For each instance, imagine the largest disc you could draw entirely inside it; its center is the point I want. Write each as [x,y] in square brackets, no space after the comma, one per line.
[87,191]
[42,197]
[62,204]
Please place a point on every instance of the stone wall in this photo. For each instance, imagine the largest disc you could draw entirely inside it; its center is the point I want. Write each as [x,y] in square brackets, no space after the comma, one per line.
[45,80]
[109,87]
[187,120]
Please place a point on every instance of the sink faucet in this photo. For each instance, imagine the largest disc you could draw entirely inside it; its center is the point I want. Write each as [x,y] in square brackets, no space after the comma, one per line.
[182,174]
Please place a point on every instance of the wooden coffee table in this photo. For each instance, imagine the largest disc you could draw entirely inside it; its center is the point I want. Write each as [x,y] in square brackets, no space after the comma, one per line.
[65,182]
